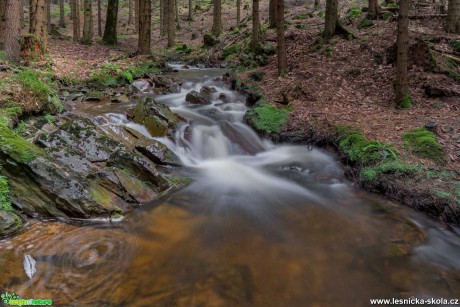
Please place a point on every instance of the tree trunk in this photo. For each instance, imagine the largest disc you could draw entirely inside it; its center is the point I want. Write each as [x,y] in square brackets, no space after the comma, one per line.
[281,44]
[88,23]
[272,14]
[190,10]
[38,24]
[317,5]
[61,14]
[99,18]
[217,18]
[453,17]
[331,18]
[2,23]
[238,13]
[21,13]
[176,10]
[373,10]
[75,20]
[255,24]
[130,12]
[48,14]
[12,30]
[136,15]
[170,20]
[110,30]
[402,46]
[145,26]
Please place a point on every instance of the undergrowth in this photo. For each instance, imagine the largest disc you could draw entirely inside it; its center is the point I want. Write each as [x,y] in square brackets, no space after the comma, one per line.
[423,144]
[267,118]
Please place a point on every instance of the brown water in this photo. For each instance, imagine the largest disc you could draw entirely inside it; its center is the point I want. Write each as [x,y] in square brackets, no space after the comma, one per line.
[279,226]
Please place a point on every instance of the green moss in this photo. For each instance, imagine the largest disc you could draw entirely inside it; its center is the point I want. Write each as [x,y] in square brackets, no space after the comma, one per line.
[406,103]
[423,144]
[301,26]
[302,16]
[183,49]
[455,45]
[354,12]
[17,147]
[268,118]
[5,203]
[230,50]
[30,81]
[359,149]
[209,40]
[365,23]
[395,167]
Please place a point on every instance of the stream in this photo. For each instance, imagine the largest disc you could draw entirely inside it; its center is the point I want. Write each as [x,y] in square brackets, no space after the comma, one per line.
[261,224]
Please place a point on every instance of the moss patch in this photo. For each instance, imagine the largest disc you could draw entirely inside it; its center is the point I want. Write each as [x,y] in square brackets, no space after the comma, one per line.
[267,118]
[396,167]
[423,144]
[17,147]
[5,203]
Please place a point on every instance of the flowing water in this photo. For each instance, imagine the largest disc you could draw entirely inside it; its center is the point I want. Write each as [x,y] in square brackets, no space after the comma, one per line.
[260,225]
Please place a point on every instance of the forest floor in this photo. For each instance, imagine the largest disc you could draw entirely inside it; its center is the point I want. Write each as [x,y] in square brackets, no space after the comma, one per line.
[342,82]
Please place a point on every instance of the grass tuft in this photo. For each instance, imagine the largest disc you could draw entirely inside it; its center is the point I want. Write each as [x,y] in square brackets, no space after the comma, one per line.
[423,144]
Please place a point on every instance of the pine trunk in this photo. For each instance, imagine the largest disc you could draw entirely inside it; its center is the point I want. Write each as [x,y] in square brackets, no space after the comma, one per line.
[255,24]
[12,30]
[48,14]
[38,23]
[170,21]
[136,15]
[238,13]
[2,23]
[61,14]
[176,10]
[190,10]
[75,20]
[99,18]
[402,46]
[281,44]
[110,30]
[331,18]
[145,26]
[130,12]
[373,10]
[453,17]
[217,18]
[87,23]
[272,14]
[317,4]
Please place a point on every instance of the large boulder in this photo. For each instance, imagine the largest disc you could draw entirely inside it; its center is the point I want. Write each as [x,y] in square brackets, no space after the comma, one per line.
[156,117]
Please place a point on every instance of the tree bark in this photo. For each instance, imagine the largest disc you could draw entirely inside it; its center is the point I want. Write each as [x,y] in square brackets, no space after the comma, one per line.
[48,14]
[281,44]
[453,17]
[176,10]
[331,18]
[170,20]
[12,30]
[217,18]
[163,21]
[255,24]
[136,16]
[238,13]
[145,26]
[99,18]
[61,14]
[402,46]
[38,23]
[317,4]
[190,10]
[110,30]
[75,20]
[87,23]
[272,14]
[2,23]
[373,9]
[130,12]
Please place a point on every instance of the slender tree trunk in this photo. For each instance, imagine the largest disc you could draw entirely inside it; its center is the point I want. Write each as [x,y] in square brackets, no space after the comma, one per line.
[281,44]
[331,18]
[255,24]
[21,13]
[38,24]
[373,10]
[190,10]
[163,18]
[99,18]
[2,23]
[217,18]
[12,30]
[317,4]
[272,14]
[145,26]
[110,30]
[402,45]
[170,20]
[88,23]
[48,14]
[130,12]
[176,10]
[453,16]
[136,15]
[75,20]
[238,13]
[61,14]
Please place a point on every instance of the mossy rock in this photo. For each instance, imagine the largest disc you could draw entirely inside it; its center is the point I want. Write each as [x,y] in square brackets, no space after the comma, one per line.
[423,143]
[209,40]
[10,223]
[156,126]
[396,167]
[267,118]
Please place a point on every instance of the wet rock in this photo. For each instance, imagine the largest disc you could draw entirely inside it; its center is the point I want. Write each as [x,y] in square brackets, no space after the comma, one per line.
[120,99]
[10,223]
[195,98]
[224,98]
[141,85]
[94,96]
[206,92]
[158,153]
[165,83]
[156,117]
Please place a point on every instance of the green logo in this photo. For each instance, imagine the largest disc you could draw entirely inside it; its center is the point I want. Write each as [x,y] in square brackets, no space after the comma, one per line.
[12,299]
